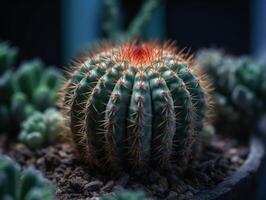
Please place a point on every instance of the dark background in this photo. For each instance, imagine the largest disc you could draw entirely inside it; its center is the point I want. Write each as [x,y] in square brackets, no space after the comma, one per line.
[36,26]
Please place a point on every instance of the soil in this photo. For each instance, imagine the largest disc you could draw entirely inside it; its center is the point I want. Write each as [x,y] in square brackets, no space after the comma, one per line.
[221,158]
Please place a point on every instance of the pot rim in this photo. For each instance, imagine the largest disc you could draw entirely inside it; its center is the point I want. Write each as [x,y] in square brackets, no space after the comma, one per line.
[249,168]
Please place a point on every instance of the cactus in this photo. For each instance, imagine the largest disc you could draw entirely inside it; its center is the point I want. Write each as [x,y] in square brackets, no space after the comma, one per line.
[136,104]
[41,129]
[8,57]
[126,195]
[38,84]
[239,88]
[27,185]
[112,23]
[30,88]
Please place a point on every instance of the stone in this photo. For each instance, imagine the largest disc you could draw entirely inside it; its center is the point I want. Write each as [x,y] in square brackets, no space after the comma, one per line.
[93,186]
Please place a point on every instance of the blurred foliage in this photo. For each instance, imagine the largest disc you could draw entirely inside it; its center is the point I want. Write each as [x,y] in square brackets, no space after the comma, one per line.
[126,195]
[112,24]
[32,87]
[239,89]
[27,185]
[42,129]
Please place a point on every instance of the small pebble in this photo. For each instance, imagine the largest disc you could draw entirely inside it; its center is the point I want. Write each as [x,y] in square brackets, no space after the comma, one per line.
[118,188]
[235,159]
[108,186]
[93,186]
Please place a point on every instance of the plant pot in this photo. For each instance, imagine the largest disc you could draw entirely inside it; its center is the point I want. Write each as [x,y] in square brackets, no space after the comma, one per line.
[242,184]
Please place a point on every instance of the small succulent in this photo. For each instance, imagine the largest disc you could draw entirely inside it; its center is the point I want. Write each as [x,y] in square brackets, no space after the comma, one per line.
[32,87]
[136,104]
[41,129]
[239,88]
[126,195]
[27,185]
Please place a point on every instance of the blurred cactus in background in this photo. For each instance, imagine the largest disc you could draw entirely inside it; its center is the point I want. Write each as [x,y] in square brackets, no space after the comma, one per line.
[38,83]
[31,87]
[7,60]
[126,195]
[41,129]
[239,85]
[112,24]
[27,185]
[8,57]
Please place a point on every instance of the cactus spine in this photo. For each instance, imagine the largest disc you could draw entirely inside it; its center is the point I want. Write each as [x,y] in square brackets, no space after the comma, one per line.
[136,104]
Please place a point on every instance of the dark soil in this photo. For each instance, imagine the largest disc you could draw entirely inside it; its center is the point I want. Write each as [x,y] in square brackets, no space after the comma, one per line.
[74,181]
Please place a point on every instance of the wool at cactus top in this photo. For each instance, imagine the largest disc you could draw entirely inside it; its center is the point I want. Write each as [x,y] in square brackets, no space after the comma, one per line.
[136,104]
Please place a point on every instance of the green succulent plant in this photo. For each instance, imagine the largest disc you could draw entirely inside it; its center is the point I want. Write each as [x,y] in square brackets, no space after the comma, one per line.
[40,85]
[41,129]
[126,195]
[8,57]
[7,60]
[27,185]
[136,104]
[32,87]
[112,24]
[239,88]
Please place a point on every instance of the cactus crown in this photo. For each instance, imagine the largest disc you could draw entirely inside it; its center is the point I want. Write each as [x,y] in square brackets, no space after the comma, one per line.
[136,104]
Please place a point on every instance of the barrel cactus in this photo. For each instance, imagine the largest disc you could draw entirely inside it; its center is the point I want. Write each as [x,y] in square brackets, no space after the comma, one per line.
[136,104]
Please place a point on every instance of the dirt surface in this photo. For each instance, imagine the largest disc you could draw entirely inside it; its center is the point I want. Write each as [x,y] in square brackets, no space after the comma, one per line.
[75,181]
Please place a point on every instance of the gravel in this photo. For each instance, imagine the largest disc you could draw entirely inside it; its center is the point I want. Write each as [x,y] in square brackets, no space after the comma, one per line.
[75,181]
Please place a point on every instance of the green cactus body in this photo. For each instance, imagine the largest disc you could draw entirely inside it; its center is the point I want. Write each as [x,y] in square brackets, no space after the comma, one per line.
[126,195]
[239,84]
[133,105]
[8,57]
[27,185]
[30,88]
[39,85]
[41,129]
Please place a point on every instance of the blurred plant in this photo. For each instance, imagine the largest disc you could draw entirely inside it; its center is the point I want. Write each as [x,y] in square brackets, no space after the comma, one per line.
[126,195]
[38,84]
[27,185]
[7,59]
[208,133]
[112,25]
[31,87]
[240,88]
[41,129]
